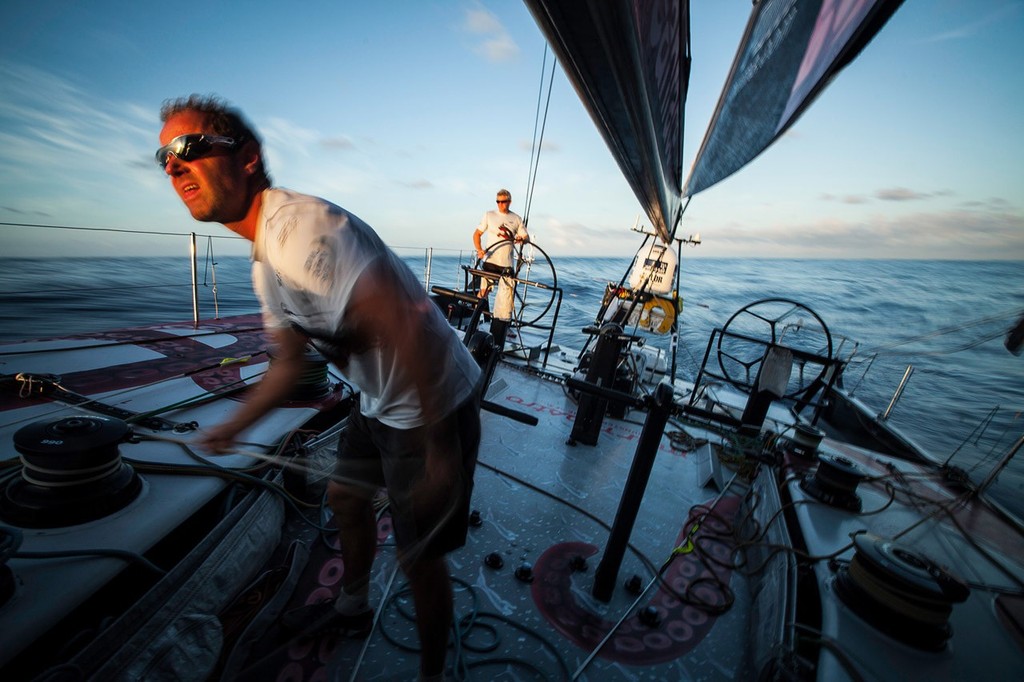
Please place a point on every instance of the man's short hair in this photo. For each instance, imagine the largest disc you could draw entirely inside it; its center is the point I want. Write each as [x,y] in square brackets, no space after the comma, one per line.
[504,193]
[224,120]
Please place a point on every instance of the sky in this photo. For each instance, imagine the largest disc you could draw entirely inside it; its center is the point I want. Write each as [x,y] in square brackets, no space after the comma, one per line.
[413,114]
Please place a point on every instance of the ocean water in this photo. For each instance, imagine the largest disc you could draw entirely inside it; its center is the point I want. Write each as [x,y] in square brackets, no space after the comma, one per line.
[948,319]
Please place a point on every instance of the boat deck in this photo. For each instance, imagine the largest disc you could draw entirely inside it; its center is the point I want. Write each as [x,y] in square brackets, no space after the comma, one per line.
[191,575]
[524,580]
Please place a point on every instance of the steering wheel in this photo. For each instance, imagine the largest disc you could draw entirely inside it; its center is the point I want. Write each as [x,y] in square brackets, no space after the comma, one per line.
[534,281]
[753,329]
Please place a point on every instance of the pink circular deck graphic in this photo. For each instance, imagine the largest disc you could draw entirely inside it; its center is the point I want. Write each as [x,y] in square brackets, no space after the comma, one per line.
[682,626]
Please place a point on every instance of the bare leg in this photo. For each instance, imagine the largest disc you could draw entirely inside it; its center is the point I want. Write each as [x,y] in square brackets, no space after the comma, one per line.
[432,596]
[353,513]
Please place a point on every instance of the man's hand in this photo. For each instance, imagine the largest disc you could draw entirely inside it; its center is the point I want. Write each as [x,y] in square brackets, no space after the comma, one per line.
[271,391]
[220,439]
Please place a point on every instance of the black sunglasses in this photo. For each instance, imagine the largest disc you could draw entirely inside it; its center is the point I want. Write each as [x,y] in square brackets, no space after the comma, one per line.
[191,147]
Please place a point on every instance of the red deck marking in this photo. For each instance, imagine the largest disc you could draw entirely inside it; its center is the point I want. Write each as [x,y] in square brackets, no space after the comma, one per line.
[682,626]
[182,356]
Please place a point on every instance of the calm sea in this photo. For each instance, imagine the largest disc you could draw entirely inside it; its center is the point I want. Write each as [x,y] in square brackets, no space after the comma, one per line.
[948,319]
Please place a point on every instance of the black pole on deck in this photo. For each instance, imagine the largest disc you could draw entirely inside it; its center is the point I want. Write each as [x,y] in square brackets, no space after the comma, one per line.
[603,364]
[636,483]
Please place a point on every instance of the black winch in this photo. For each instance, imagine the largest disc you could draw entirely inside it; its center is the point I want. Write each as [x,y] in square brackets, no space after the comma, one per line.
[71,473]
[901,592]
[804,442]
[314,383]
[835,482]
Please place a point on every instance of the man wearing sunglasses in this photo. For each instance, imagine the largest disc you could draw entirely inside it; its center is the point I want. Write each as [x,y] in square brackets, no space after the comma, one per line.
[502,228]
[324,277]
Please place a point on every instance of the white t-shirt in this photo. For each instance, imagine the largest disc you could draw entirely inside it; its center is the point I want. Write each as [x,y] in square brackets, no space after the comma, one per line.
[496,226]
[307,256]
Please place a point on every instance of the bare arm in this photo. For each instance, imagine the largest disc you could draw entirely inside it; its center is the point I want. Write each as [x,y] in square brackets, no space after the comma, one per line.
[476,242]
[271,391]
[522,236]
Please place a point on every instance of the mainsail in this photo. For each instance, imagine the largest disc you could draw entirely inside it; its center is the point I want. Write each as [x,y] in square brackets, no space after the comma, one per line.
[629,60]
[790,51]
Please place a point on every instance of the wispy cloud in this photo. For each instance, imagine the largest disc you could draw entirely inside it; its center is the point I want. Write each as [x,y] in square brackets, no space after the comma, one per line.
[338,143]
[491,39]
[900,194]
[846,199]
[57,134]
[560,236]
[955,234]
[971,29]
[42,108]
[19,212]
[546,145]
[417,184]
[280,132]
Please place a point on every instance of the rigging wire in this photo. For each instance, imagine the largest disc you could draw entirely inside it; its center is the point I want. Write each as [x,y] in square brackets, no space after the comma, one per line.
[927,336]
[132,288]
[115,229]
[534,151]
[211,268]
[976,433]
[207,467]
[942,331]
[896,489]
[538,139]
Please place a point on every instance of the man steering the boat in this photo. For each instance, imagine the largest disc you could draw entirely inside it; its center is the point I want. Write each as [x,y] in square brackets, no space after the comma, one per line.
[324,277]
[502,228]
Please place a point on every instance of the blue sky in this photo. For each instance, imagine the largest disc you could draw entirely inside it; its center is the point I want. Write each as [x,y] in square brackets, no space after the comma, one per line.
[412,115]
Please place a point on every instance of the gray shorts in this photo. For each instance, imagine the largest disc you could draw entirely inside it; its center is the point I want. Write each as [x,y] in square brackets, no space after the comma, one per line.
[374,455]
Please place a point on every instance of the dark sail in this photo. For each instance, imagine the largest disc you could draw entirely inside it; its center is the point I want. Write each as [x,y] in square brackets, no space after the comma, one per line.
[790,51]
[630,62]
